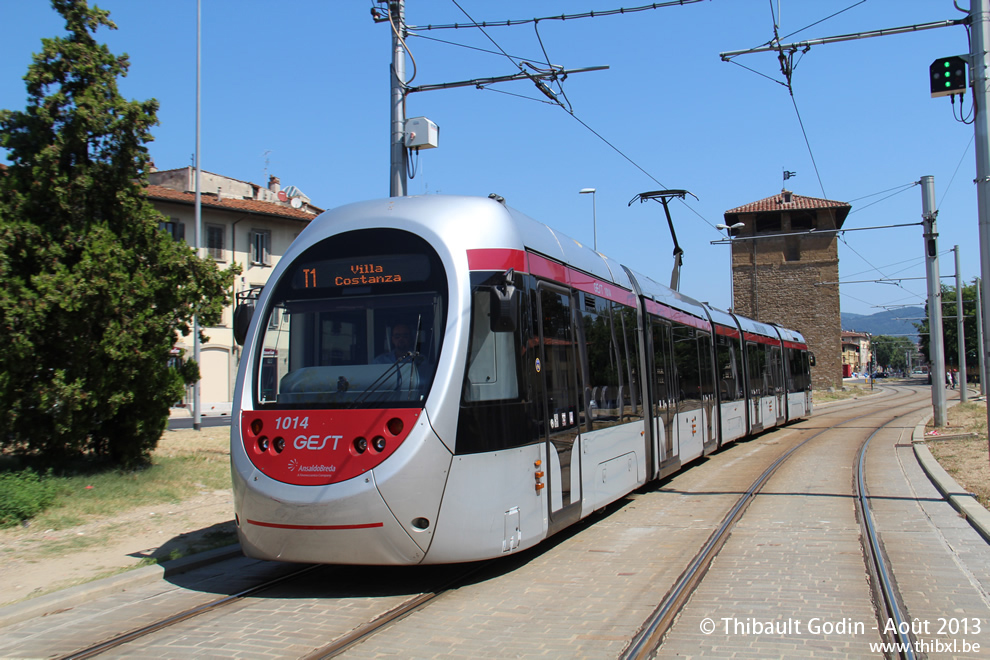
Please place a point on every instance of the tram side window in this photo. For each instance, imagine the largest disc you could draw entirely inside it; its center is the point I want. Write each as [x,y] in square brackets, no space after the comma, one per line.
[686,364]
[776,369]
[707,379]
[492,370]
[498,409]
[798,376]
[661,362]
[559,363]
[756,358]
[728,369]
[629,350]
[609,361]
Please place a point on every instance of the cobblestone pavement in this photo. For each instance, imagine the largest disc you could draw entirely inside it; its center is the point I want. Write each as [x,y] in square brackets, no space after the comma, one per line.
[795,560]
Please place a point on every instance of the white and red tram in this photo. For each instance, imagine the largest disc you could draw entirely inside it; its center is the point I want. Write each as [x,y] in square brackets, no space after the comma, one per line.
[443,379]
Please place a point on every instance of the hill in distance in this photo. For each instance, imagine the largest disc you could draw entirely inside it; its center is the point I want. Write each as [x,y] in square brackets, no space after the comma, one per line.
[899,322]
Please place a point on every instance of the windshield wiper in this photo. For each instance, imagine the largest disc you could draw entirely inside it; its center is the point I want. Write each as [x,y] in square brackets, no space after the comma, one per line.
[392,370]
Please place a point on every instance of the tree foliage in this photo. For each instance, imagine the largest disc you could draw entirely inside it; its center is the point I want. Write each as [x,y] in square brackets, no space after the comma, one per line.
[950,331]
[891,352]
[92,293]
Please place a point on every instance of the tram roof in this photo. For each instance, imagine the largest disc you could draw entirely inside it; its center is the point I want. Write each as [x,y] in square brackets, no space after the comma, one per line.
[755,327]
[721,317]
[543,238]
[790,335]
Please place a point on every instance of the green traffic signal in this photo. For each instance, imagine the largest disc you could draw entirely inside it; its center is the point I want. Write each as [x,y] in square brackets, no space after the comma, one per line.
[948,76]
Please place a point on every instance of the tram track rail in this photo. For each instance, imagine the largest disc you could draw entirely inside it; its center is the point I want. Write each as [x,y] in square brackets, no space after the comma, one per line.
[339,645]
[884,587]
[394,615]
[647,641]
[213,606]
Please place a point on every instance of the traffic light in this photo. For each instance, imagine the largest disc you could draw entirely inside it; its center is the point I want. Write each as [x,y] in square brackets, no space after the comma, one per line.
[948,76]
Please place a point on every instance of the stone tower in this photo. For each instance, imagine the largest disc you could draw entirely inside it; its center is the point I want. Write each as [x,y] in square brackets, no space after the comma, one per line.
[785,269]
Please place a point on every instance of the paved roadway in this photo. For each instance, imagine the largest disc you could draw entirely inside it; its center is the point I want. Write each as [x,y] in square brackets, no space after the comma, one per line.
[795,557]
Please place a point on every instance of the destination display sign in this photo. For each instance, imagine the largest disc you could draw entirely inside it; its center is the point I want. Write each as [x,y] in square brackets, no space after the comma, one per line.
[361,271]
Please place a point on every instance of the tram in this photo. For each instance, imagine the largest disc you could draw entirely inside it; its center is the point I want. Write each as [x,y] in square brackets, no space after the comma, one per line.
[443,379]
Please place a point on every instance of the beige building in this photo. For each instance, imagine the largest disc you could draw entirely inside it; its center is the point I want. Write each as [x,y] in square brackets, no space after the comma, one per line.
[242,223]
[855,351]
[785,269]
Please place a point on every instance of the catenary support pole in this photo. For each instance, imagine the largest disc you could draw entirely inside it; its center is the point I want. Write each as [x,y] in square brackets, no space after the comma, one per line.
[961,339]
[935,351]
[397,179]
[979,337]
[199,209]
[979,14]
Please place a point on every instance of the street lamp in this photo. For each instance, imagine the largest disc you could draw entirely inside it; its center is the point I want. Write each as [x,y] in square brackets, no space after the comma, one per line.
[728,229]
[594,212]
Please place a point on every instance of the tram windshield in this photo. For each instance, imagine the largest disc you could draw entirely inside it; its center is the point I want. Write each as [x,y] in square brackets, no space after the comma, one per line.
[361,330]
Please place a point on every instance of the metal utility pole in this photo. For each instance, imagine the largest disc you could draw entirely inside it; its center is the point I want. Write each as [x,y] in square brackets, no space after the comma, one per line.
[935,352]
[961,339]
[199,211]
[979,14]
[979,336]
[397,177]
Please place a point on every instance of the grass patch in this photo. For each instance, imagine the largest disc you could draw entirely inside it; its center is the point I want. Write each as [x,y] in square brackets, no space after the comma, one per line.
[847,392]
[24,495]
[184,464]
[967,459]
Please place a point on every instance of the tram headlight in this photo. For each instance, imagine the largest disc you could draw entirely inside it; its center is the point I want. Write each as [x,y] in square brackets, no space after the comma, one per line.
[378,442]
[279,444]
[263,443]
[395,426]
[256,426]
[360,445]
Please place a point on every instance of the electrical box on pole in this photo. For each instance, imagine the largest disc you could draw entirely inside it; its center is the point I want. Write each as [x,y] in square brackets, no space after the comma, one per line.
[421,133]
[948,76]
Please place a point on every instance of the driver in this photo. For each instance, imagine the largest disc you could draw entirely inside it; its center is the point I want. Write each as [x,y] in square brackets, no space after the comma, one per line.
[401,341]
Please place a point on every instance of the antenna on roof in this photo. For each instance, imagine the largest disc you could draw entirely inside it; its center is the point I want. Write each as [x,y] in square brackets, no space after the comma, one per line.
[267,151]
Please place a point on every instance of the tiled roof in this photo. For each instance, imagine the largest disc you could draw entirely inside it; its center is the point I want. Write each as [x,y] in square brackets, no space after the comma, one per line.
[209,200]
[777,203]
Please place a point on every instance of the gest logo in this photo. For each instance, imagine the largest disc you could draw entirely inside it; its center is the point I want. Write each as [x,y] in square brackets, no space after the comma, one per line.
[314,442]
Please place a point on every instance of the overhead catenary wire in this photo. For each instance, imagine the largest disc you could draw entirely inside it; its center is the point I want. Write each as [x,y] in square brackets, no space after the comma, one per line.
[788,36]
[560,17]
[480,50]
[567,109]
[898,191]
[956,171]
[787,68]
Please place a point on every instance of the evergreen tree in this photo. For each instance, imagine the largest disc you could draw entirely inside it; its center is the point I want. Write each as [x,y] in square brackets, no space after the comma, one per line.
[92,293]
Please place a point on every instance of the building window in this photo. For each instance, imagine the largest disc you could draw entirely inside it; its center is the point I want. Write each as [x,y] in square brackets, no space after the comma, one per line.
[215,241]
[174,228]
[767,222]
[792,248]
[802,221]
[261,248]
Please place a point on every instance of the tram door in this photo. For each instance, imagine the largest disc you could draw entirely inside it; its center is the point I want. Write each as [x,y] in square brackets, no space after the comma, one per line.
[777,382]
[755,372]
[706,380]
[663,393]
[558,372]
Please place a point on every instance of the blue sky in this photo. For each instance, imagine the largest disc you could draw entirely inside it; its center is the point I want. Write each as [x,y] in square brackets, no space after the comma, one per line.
[300,89]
